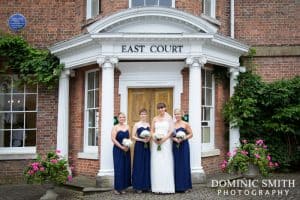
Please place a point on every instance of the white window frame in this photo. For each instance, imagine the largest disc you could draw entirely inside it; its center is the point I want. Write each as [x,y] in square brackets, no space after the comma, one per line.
[86,147]
[89,9]
[212,13]
[211,123]
[10,153]
[172,6]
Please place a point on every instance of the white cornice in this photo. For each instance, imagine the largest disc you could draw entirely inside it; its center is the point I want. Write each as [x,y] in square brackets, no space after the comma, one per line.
[69,44]
[135,13]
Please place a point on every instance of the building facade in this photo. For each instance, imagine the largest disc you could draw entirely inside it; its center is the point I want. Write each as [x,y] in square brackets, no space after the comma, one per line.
[131,54]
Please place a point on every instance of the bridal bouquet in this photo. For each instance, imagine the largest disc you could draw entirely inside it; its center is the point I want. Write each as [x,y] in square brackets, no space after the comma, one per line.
[180,135]
[158,137]
[126,142]
[145,134]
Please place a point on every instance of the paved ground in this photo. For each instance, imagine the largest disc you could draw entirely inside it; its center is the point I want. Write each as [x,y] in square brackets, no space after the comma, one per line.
[200,191]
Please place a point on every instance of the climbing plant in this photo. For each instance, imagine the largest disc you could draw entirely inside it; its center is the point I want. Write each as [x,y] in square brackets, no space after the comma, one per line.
[32,65]
[270,111]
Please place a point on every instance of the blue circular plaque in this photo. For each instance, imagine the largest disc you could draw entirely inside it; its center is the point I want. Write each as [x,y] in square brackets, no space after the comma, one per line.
[16,22]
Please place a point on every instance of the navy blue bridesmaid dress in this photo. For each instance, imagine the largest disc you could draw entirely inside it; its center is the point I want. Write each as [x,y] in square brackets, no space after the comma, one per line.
[121,163]
[141,164]
[182,167]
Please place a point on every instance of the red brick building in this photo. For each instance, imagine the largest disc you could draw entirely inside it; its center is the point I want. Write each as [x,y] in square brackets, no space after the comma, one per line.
[127,54]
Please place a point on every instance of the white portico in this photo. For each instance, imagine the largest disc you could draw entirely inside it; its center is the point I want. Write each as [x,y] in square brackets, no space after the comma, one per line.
[146,35]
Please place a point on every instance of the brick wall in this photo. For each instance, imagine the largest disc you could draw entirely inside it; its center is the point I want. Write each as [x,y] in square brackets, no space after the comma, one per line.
[267,22]
[276,68]
[48,21]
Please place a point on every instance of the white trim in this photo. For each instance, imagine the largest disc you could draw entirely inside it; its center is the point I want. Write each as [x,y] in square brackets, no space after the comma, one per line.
[17,153]
[89,156]
[86,148]
[158,77]
[209,153]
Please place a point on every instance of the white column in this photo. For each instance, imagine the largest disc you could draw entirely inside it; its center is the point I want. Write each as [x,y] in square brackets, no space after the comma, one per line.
[63,114]
[107,114]
[234,132]
[195,64]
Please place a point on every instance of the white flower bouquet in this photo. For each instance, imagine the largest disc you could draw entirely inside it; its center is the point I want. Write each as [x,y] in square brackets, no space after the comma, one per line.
[145,134]
[126,142]
[180,135]
[158,137]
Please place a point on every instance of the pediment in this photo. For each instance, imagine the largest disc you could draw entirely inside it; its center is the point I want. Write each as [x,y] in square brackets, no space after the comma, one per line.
[152,20]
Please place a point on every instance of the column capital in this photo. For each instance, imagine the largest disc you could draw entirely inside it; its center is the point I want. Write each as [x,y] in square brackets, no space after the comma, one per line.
[66,73]
[107,59]
[196,60]
[234,71]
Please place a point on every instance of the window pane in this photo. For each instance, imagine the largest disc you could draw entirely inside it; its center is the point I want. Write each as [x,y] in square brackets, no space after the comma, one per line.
[2,117]
[96,98]
[95,8]
[208,79]
[206,114]
[5,84]
[203,78]
[4,138]
[30,118]
[18,120]
[92,118]
[7,120]
[91,136]
[151,2]
[18,102]
[203,97]
[91,81]
[30,138]
[207,7]
[136,3]
[97,80]
[30,102]
[208,97]
[205,135]
[17,138]
[166,3]
[90,103]
[5,102]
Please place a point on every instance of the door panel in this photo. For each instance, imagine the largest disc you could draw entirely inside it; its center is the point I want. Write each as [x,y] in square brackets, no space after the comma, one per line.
[147,98]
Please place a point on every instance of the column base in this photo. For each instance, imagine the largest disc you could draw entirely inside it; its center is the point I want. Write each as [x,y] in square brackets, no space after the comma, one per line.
[106,181]
[198,177]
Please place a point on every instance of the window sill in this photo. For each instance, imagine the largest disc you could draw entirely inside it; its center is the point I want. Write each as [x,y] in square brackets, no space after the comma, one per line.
[211,19]
[17,156]
[89,156]
[210,153]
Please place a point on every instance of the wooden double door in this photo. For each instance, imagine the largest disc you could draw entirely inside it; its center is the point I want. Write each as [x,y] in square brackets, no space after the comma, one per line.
[148,98]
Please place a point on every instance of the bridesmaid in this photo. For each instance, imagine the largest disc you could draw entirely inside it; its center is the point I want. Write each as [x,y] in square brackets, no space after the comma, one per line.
[121,156]
[181,153]
[141,161]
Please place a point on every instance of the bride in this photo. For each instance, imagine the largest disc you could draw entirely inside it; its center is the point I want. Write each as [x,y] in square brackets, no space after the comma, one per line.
[162,166]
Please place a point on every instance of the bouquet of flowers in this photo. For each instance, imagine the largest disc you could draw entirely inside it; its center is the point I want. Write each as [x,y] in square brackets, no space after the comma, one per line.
[254,153]
[51,169]
[145,134]
[180,135]
[126,142]
[158,136]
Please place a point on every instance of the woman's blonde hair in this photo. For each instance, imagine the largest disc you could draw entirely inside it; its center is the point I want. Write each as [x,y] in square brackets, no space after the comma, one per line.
[177,110]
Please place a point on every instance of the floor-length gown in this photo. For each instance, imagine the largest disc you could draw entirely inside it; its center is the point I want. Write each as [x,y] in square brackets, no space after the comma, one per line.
[122,163]
[162,166]
[141,164]
[182,164]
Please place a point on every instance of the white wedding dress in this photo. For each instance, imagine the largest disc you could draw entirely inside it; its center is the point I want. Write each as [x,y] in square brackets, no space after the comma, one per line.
[162,165]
